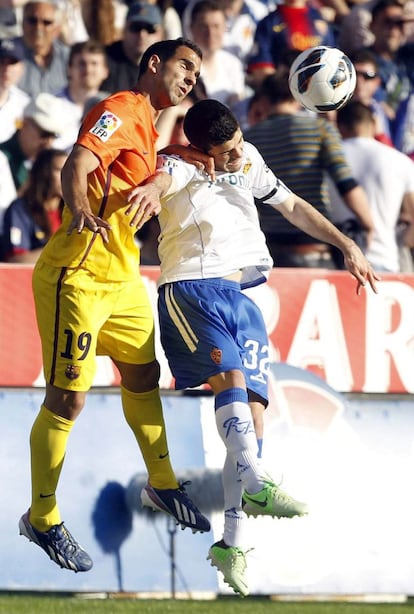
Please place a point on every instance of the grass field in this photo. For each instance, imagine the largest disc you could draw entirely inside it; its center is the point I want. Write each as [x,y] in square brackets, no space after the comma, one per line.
[29,604]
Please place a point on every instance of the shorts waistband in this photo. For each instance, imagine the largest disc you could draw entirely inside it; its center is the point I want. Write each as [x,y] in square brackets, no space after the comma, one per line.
[216,282]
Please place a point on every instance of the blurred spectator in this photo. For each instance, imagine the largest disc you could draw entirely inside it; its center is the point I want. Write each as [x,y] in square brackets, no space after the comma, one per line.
[387,25]
[367,83]
[143,27]
[294,25]
[242,17]
[33,217]
[44,120]
[7,195]
[387,175]
[403,126]
[87,69]
[100,20]
[355,30]
[73,29]
[301,149]
[222,72]
[12,99]
[10,18]
[46,57]
[171,21]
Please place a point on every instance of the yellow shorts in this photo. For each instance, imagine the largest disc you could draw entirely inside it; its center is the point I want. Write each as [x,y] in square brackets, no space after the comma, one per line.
[79,317]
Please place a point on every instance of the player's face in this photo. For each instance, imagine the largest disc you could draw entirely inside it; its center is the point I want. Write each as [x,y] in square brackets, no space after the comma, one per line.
[179,75]
[228,155]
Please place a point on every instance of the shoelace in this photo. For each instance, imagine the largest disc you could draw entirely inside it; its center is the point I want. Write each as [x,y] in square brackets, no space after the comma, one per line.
[239,557]
[188,502]
[65,541]
[278,493]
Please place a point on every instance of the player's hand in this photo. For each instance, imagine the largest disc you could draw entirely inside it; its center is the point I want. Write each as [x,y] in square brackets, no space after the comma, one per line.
[86,219]
[360,268]
[202,161]
[144,203]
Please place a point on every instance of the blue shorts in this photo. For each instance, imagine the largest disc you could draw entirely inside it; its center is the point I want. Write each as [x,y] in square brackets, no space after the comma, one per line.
[209,326]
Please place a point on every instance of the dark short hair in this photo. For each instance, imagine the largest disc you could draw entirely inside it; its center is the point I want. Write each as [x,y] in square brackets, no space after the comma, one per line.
[208,123]
[165,50]
[354,113]
[205,6]
[381,5]
[275,88]
[88,46]
[364,55]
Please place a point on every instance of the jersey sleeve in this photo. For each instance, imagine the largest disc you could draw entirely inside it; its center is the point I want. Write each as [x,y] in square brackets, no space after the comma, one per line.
[107,129]
[181,172]
[267,188]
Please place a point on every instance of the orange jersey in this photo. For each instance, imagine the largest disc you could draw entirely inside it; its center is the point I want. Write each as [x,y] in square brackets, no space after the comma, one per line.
[121,133]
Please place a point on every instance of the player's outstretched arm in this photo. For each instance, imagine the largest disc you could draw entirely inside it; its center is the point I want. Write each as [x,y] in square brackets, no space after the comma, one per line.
[301,213]
[74,176]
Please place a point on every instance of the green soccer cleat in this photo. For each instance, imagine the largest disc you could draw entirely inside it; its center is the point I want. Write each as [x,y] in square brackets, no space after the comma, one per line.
[272,501]
[231,561]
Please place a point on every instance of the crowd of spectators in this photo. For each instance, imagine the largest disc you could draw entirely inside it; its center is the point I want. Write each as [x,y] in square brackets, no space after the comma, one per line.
[59,57]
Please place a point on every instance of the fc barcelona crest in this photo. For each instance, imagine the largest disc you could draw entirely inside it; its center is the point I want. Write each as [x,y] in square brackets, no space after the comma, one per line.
[72,371]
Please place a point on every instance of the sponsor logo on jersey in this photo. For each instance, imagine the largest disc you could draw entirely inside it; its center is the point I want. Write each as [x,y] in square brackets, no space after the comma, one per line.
[106,125]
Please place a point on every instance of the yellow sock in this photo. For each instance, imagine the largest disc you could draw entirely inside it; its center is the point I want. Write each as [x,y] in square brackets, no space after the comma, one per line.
[143,412]
[48,446]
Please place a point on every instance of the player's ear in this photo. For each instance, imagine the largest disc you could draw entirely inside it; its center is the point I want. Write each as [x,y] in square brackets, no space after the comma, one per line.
[154,62]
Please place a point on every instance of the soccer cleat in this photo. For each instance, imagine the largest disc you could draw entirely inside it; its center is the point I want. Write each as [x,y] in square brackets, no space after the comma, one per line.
[231,561]
[58,544]
[176,503]
[272,501]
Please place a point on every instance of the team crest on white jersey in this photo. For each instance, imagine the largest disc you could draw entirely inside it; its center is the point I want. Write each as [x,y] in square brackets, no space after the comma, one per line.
[247,167]
[107,124]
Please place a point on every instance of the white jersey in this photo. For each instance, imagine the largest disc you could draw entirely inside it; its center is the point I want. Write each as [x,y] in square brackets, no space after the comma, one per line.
[386,175]
[211,229]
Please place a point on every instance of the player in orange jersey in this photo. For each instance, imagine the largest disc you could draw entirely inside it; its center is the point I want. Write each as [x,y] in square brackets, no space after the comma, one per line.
[90,298]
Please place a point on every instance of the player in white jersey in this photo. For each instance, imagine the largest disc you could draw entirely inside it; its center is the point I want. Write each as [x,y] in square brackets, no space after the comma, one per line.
[211,247]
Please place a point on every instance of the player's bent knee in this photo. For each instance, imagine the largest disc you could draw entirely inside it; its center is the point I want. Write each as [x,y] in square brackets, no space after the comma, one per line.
[140,378]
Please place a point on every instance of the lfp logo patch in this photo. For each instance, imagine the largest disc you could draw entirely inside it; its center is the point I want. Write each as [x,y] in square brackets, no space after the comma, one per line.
[106,125]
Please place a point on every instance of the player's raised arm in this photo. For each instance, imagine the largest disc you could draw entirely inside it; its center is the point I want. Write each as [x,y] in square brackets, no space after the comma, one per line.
[301,213]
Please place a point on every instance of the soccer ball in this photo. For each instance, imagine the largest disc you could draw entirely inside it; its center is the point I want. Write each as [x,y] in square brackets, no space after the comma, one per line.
[322,79]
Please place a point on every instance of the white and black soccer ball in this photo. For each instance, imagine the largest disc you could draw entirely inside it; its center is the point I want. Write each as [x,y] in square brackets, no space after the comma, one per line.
[322,79]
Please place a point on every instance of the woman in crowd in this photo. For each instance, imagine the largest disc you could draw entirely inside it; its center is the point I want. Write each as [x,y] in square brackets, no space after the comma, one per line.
[32,218]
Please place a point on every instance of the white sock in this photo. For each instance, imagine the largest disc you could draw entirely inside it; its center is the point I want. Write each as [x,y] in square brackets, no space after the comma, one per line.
[233,512]
[235,427]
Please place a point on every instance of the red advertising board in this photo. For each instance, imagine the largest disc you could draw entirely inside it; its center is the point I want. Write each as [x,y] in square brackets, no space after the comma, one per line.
[314,319]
